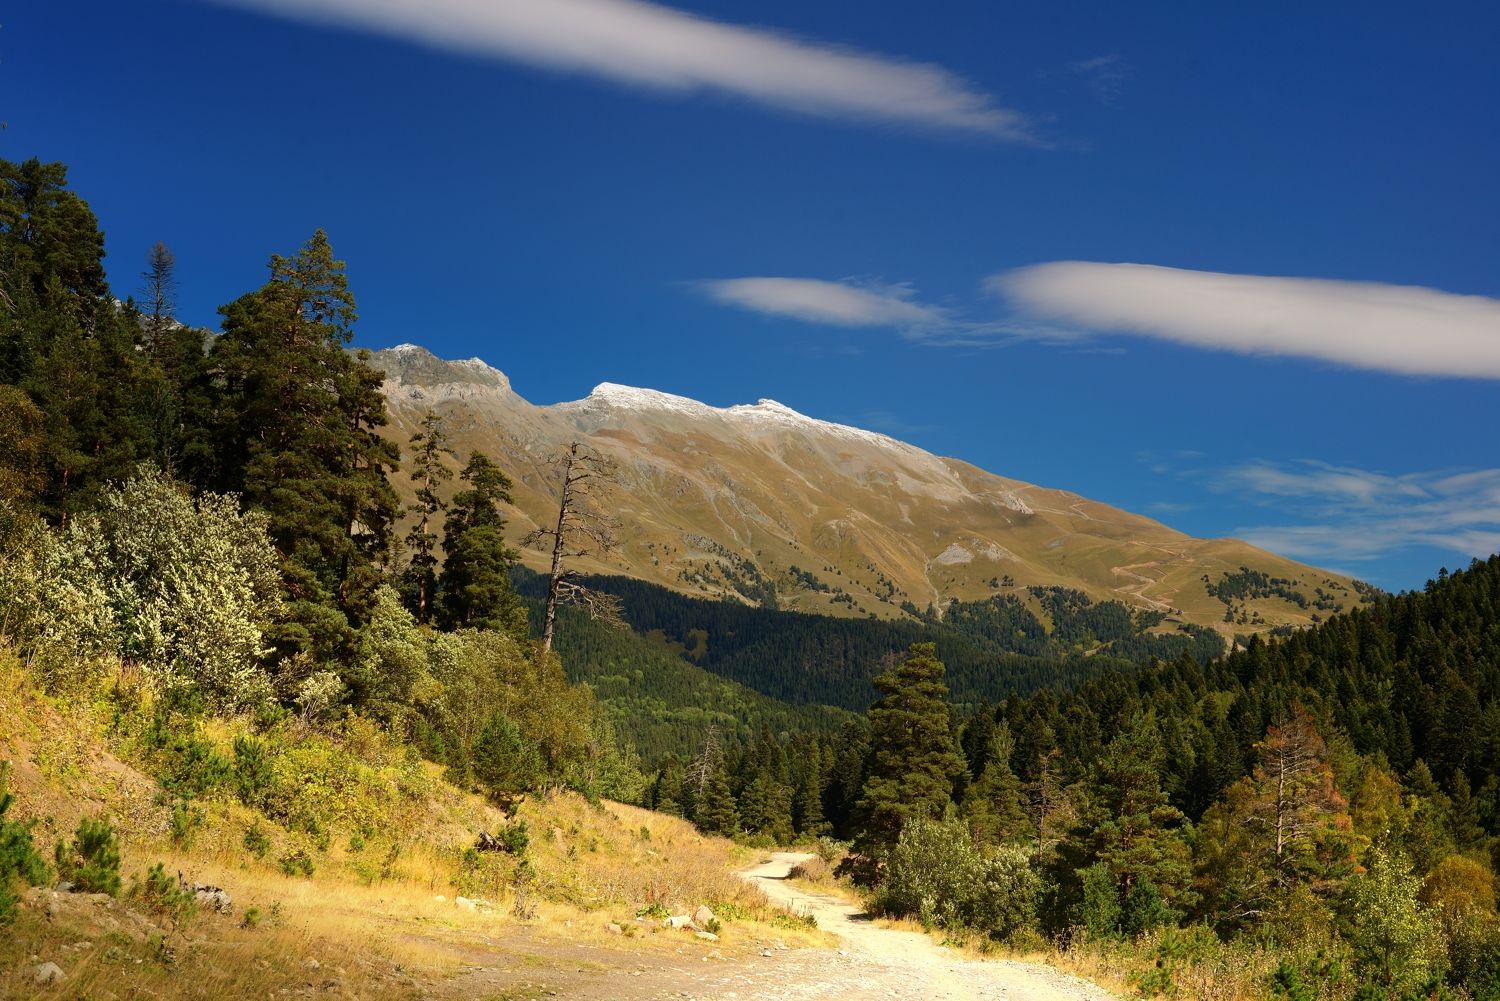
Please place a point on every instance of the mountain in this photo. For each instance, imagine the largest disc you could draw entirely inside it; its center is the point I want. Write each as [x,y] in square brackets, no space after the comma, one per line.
[766,505]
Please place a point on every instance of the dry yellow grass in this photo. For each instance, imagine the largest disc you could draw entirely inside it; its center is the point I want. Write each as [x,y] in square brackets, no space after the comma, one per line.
[379,916]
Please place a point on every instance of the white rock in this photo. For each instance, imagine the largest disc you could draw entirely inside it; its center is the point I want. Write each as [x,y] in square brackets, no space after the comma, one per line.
[48,973]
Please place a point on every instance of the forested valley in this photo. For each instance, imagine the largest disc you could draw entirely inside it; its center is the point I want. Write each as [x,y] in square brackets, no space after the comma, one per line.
[201,530]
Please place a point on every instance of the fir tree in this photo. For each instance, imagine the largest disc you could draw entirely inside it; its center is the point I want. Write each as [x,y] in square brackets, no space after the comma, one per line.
[913,760]
[994,804]
[475,590]
[714,809]
[428,474]
[285,416]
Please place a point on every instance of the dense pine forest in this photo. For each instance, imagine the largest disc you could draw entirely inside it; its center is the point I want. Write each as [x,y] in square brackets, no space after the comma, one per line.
[1332,797]
[204,525]
[991,648]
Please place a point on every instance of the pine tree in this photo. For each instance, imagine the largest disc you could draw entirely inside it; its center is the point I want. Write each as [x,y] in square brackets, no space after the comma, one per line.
[1280,840]
[282,414]
[1463,813]
[715,811]
[913,760]
[807,805]
[1051,808]
[475,590]
[1298,811]
[994,804]
[428,474]
[65,340]
[582,529]
[1132,829]
[158,295]
[765,807]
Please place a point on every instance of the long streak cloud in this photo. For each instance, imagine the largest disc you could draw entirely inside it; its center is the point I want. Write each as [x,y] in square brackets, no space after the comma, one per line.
[1408,330]
[650,45]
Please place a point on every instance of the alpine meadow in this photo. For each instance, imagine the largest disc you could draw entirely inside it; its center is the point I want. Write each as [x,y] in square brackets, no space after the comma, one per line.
[333,665]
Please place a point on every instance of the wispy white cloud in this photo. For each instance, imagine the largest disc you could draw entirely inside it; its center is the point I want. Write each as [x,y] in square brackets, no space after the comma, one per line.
[1407,330]
[853,302]
[1357,514]
[651,45]
[847,303]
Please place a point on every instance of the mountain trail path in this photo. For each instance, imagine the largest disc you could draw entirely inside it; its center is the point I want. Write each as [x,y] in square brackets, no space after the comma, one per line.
[871,963]
[879,962]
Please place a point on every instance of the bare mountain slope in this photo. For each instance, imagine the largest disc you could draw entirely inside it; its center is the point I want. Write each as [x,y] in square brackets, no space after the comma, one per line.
[761,502]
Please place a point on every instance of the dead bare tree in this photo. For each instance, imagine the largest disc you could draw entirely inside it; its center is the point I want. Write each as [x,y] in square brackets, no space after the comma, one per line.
[702,767]
[158,292]
[582,530]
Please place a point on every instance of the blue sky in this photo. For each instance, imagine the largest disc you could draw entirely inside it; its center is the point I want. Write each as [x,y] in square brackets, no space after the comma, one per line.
[905,186]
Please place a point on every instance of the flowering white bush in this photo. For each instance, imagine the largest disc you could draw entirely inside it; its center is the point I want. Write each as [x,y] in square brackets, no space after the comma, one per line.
[193,584]
[182,587]
[54,605]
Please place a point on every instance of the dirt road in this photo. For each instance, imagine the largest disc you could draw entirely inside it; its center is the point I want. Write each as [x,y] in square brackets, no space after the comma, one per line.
[872,963]
[879,962]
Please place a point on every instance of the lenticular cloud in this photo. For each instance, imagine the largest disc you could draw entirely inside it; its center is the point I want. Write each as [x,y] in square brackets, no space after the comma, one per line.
[1404,329]
[647,44]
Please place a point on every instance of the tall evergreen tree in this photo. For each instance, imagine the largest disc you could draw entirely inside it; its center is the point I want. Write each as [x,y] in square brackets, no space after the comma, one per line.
[1133,832]
[994,804]
[475,590]
[913,760]
[714,809]
[285,416]
[428,473]
[64,339]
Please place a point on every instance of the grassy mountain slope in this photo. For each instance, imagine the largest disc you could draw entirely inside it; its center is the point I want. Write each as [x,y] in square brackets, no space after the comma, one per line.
[769,507]
[344,876]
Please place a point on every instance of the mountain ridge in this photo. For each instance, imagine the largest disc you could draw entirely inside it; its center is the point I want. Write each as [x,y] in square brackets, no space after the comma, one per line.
[760,503]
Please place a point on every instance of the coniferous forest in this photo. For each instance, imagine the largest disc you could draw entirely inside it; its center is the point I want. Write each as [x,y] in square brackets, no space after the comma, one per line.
[198,526]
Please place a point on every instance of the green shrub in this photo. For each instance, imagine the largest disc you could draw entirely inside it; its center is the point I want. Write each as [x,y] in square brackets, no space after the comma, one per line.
[19,861]
[253,775]
[185,764]
[515,838]
[297,863]
[829,850]
[256,842]
[935,873]
[92,862]
[1003,901]
[1099,909]
[1307,980]
[1145,909]
[165,895]
[186,819]
[504,761]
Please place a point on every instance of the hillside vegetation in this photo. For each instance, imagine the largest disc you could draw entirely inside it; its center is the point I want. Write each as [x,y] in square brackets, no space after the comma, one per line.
[992,648]
[1314,816]
[343,854]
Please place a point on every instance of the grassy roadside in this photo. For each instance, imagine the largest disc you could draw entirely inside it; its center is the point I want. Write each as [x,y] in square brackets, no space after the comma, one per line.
[348,880]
